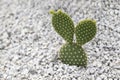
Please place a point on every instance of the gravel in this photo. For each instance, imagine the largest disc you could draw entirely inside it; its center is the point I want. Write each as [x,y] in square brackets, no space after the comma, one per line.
[29,45]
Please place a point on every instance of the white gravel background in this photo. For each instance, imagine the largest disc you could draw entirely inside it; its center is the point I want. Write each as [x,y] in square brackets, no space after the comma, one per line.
[29,45]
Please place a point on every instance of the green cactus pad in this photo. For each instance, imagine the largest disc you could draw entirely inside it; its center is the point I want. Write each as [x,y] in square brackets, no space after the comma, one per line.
[63,25]
[73,54]
[85,31]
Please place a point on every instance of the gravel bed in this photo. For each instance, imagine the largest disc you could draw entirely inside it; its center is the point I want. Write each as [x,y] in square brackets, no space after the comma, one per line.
[29,45]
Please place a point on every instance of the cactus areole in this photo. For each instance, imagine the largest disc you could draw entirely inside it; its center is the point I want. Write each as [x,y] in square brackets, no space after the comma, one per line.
[72,53]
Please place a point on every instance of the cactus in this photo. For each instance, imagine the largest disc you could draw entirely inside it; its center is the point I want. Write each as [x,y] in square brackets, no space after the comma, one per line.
[85,31]
[72,53]
[63,24]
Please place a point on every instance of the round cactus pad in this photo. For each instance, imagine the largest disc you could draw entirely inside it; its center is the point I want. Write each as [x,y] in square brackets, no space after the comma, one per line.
[73,54]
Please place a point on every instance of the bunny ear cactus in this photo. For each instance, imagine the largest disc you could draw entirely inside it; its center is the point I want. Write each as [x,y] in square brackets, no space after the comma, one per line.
[63,25]
[85,31]
[72,53]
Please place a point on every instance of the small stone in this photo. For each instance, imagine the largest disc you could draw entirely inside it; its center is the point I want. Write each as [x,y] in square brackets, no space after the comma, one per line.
[117,67]
[98,78]
[91,71]
[103,77]
[33,72]
[98,64]
[1,75]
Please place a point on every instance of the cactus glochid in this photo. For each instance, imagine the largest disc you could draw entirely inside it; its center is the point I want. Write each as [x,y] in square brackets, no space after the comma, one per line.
[72,53]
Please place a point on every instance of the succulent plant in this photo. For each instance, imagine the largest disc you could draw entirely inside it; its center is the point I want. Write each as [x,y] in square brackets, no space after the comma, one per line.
[72,53]
[63,24]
